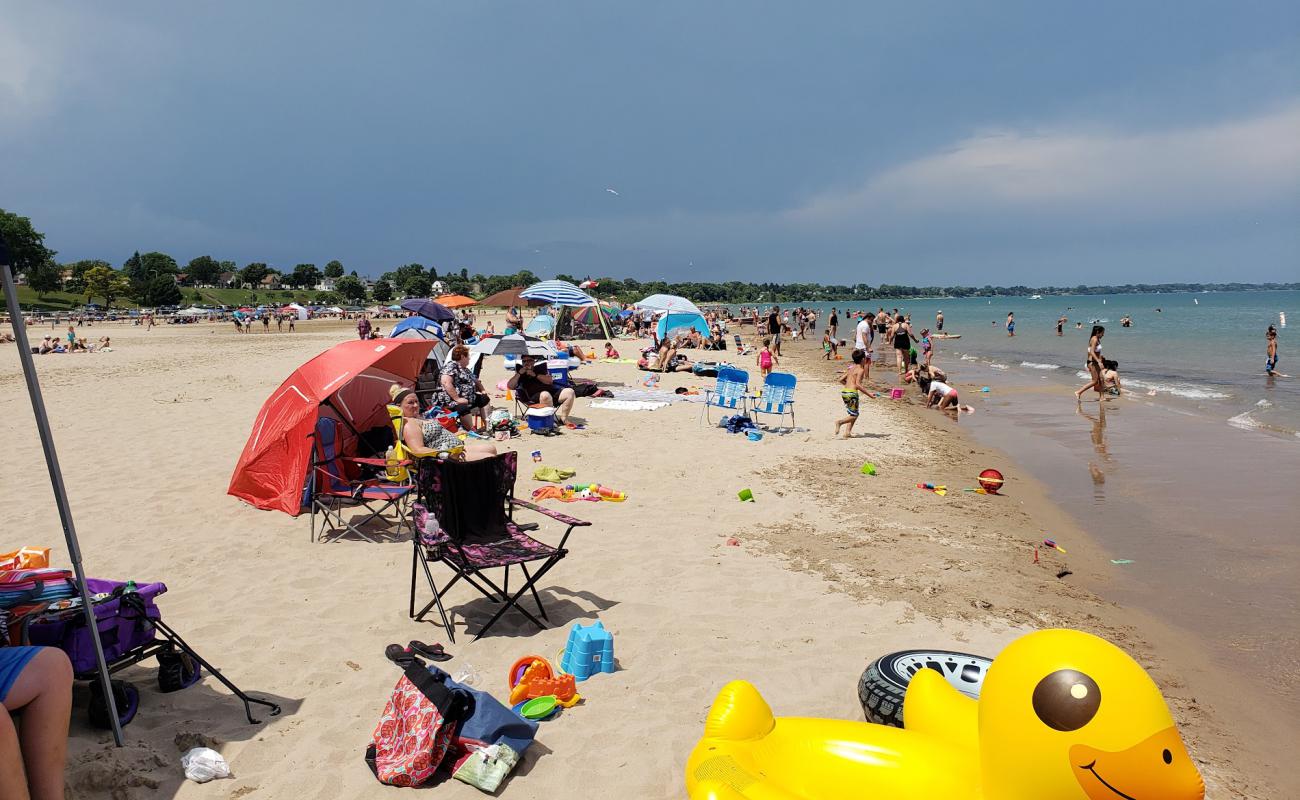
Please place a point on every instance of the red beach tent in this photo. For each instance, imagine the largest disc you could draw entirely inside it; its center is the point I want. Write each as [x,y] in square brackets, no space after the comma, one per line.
[349,382]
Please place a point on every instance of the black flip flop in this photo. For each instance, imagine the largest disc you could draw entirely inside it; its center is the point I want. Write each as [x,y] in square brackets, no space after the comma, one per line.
[432,652]
[401,656]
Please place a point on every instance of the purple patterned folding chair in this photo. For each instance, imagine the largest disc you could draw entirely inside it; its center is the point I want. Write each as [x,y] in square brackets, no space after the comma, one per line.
[465,520]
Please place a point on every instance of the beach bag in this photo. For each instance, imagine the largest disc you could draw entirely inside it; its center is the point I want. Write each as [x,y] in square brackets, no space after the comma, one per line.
[500,420]
[416,727]
[489,743]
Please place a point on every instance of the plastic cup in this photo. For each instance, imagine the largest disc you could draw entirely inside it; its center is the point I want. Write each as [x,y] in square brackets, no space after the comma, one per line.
[745,494]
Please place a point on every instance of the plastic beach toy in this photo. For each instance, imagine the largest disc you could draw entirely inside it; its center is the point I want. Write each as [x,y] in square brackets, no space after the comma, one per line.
[754,436]
[745,494]
[896,393]
[868,469]
[1061,715]
[589,650]
[1052,544]
[532,677]
[539,707]
[985,389]
[991,481]
[537,455]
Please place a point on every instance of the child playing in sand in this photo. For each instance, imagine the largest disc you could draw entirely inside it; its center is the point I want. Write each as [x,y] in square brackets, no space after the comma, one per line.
[1110,376]
[942,394]
[610,352]
[855,381]
[827,346]
[766,359]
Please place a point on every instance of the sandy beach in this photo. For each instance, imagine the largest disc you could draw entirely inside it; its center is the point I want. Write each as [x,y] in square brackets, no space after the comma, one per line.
[831,569]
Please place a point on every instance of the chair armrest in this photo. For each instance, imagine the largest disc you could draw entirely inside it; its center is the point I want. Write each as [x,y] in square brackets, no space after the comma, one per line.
[376,462]
[572,522]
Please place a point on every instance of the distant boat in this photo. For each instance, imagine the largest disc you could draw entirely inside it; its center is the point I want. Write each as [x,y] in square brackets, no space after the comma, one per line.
[1035,297]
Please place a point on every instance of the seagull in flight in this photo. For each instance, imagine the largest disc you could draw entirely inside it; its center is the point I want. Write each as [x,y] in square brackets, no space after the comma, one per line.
[613,192]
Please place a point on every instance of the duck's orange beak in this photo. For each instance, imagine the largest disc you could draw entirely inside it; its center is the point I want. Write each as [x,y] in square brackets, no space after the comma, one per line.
[1157,768]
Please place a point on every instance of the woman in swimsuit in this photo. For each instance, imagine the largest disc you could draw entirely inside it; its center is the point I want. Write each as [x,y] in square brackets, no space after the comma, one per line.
[1092,363]
[903,339]
[427,437]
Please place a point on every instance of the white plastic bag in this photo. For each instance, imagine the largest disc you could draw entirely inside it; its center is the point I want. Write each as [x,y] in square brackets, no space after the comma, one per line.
[202,764]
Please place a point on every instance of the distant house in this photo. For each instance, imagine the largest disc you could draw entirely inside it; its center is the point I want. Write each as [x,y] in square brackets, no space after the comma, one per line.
[182,278]
[439,288]
[325,285]
[271,281]
[65,275]
[226,279]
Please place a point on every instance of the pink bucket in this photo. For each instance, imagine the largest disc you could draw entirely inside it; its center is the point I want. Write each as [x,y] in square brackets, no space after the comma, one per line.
[896,393]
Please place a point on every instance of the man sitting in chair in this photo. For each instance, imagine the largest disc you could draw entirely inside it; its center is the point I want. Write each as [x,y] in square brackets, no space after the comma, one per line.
[536,387]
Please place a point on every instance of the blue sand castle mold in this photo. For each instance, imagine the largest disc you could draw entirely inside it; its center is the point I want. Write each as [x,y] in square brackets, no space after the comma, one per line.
[590,650]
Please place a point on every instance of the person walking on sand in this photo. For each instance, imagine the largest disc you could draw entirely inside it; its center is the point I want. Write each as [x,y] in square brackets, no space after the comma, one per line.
[833,325]
[1011,323]
[903,338]
[1270,365]
[854,381]
[774,329]
[938,321]
[767,359]
[363,327]
[1093,363]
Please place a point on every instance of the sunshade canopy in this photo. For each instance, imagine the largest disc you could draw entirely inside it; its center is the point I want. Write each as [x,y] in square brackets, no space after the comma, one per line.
[672,324]
[455,301]
[428,308]
[540,325]
[667,302]
[513,345]
[510,297]
[560,293]
[417,327]
[349,382]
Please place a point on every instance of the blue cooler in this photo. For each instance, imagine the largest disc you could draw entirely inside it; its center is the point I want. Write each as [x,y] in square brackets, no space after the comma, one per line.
[540,419]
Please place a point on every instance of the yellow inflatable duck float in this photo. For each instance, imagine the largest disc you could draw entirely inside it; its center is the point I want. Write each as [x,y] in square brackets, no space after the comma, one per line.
[1062,715]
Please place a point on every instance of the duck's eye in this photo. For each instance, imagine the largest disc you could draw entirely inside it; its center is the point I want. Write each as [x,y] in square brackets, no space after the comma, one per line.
[1066,700]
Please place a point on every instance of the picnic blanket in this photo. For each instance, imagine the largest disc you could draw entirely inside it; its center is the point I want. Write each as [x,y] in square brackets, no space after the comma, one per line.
[629,405]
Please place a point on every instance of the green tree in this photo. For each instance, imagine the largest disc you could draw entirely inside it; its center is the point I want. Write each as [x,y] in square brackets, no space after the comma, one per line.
[141,268]
[253,274]
[351,288]
[334,269]
[27,248]
[45,278]
[305,276]
[433,273]
[160,290]
[76,283]
[329,298]
[204,270]
[416,286]
[103,281]
[383,291]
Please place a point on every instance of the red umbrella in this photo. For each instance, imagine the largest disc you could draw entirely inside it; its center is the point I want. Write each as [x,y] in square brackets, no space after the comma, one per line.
[349,382]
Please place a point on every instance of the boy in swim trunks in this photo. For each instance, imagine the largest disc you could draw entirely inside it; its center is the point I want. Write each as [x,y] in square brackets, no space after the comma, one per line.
[854,381]
[1271,364]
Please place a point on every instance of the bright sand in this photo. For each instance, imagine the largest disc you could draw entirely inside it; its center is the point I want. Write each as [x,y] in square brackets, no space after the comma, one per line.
[833,568]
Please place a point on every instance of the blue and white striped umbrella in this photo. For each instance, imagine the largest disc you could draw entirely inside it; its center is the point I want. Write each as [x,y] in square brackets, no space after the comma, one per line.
[560,293]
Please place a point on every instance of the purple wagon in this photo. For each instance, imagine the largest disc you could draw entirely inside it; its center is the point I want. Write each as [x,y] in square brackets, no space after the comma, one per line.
[131,630]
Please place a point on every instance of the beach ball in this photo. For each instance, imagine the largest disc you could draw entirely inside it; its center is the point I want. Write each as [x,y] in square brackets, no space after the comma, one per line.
[991,480]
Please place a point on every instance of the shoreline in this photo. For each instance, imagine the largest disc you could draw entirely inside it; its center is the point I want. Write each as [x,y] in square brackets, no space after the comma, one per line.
[833,569]
[1206,698]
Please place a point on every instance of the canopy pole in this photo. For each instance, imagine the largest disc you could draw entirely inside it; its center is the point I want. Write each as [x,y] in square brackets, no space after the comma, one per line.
[56,482]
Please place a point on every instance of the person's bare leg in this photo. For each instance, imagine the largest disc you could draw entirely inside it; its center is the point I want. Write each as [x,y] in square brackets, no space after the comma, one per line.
[44,692]
[566,405]
[13,779]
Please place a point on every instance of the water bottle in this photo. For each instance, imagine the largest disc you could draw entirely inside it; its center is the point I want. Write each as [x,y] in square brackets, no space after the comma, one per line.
[392,465]
[129,588]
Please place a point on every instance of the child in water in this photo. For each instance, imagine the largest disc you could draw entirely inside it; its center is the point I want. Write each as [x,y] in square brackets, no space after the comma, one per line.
[1270,366]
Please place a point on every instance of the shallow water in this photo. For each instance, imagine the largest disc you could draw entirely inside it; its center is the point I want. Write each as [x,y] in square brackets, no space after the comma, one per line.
[1202,353]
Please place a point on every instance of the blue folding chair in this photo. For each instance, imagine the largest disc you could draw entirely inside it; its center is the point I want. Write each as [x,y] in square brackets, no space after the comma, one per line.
[777,398]
[730,393]
[331,489]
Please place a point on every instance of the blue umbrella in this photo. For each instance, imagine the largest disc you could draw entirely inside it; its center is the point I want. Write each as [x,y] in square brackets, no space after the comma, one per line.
[417,328]
[560,293]
[670,324]
[429,310]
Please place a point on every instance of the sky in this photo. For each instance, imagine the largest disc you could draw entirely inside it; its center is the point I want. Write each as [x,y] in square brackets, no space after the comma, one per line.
[919,142]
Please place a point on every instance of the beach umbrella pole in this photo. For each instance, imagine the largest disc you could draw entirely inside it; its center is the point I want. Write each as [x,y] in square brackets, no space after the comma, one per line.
[56,482]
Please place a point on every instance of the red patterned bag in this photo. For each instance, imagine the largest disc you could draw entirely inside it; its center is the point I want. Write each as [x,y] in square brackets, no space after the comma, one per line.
[418,725]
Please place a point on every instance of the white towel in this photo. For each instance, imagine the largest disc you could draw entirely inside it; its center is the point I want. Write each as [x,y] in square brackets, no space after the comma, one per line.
[628,405]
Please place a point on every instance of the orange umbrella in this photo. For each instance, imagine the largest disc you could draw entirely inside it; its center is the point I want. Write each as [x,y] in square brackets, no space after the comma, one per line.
[456,300]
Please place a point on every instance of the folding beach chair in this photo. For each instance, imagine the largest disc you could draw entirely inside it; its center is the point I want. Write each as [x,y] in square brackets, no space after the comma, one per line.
[332,490]
[777,398]
[741,350]
[465,521]
[729,394]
